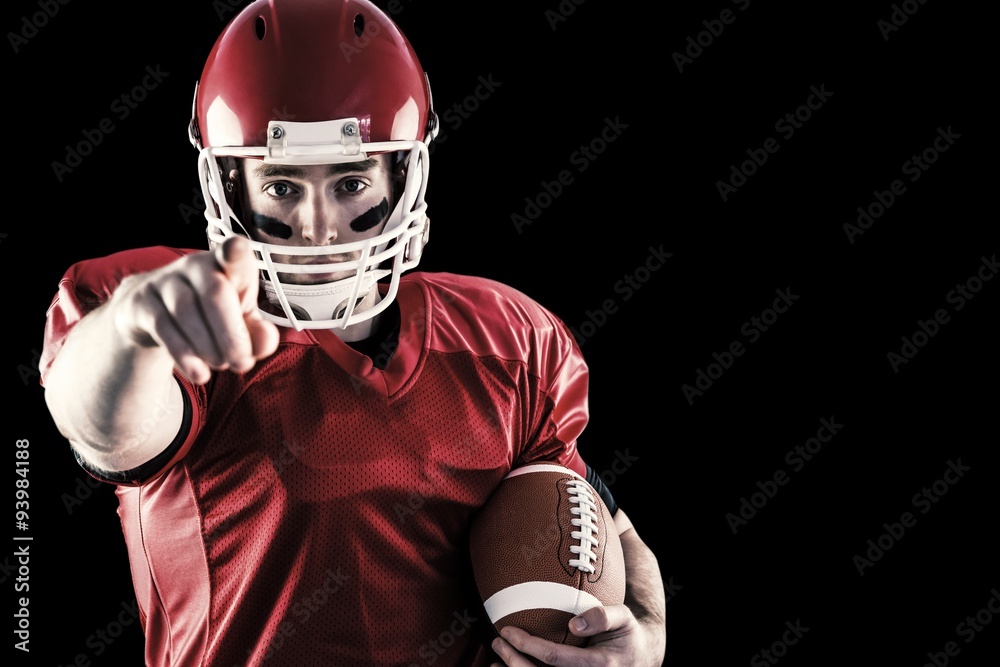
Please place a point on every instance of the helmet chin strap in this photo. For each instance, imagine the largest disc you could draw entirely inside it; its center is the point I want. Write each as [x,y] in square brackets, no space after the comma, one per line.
[324,301]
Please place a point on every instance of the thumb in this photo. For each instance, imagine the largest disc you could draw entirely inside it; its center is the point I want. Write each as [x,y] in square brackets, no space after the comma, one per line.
[602,618]
[236,260]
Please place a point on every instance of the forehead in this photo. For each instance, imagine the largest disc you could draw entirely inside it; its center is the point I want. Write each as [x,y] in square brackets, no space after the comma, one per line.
[261,170]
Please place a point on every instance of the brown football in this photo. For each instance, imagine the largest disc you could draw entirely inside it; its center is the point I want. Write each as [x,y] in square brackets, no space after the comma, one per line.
[544,548]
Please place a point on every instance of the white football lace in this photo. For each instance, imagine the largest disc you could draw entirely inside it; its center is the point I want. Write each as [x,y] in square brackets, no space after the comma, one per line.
[586,520]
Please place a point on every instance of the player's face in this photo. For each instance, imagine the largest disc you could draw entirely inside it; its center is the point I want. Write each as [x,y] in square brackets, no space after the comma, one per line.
[316,205]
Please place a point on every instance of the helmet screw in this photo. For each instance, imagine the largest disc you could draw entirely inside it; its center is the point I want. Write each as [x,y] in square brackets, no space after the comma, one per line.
[350,129]
[276,132]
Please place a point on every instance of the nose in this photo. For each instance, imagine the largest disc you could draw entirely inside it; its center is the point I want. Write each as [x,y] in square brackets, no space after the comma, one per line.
[319,221]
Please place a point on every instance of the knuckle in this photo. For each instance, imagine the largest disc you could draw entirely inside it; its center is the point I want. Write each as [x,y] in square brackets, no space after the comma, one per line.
[550,656]
[214,285]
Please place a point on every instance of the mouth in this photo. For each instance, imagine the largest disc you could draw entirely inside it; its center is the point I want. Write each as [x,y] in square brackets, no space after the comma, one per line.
[316,278]
[311,278]
[314,260]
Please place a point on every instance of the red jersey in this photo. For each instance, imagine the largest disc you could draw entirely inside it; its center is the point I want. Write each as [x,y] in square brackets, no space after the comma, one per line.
[315,510]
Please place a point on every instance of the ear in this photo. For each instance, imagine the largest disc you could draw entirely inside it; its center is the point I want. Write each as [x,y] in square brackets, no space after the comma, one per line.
[398,177]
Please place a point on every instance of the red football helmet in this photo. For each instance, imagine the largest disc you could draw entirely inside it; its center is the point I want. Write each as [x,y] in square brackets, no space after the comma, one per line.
[316,82]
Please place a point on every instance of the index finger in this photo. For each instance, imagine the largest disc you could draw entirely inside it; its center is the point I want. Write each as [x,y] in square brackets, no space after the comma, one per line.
[236,260]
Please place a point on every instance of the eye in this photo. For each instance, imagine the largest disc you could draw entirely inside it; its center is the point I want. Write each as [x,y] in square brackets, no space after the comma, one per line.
[353,185]
[279,189]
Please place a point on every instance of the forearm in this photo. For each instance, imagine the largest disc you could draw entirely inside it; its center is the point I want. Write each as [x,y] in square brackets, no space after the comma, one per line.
[644,592]
[116,401]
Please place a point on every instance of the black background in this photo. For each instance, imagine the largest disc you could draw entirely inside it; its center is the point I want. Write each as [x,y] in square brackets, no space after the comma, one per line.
[677,466]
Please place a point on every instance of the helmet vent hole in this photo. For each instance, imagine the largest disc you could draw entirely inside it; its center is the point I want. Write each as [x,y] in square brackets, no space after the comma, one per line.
[359,25]
[260,27]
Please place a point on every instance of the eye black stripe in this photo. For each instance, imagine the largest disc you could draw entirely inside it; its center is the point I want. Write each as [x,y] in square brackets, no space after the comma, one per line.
[371,218]
[271,226]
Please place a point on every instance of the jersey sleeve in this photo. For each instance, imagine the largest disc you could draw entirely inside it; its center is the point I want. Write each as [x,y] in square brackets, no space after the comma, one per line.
[85,286]
[566,412]
[563,408]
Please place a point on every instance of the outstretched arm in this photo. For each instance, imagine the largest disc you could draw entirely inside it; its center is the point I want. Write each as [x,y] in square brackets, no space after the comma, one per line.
[110,389]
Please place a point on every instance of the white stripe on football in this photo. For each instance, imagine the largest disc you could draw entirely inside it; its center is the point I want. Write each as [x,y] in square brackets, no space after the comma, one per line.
[538,595]
[544,548]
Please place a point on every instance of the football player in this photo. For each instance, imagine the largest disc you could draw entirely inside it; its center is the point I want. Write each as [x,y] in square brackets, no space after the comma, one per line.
[297,432]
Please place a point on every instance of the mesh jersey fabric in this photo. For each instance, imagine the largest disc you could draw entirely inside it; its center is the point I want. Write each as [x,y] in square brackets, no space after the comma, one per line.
[315,512]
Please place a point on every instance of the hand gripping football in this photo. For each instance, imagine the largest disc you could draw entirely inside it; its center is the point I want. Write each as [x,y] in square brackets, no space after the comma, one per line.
[544,548]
